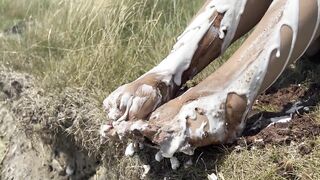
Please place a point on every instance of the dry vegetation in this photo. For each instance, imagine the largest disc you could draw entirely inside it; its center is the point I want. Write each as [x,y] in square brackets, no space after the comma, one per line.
[95,45]
[78,51]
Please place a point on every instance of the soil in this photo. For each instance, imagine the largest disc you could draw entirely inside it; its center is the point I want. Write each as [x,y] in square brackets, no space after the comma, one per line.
[26,156]
[298,129]
[281,97]
[285,97]
[303,124]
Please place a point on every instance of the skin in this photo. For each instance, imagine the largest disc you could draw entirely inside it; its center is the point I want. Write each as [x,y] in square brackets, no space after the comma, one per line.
[164,123]
[235,103]
[208,50]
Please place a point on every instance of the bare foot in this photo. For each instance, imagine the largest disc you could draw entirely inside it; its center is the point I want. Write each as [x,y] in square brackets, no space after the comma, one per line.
[197,119]
[138,99]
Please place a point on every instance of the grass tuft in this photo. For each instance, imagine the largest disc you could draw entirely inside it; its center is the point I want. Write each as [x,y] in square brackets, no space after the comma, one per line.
[96,45]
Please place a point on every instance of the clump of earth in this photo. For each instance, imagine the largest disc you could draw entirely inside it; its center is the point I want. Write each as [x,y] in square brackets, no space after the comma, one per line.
[294,102]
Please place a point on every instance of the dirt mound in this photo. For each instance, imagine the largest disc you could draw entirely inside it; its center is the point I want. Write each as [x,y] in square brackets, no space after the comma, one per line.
[60,131]
[25,155]
[22,158]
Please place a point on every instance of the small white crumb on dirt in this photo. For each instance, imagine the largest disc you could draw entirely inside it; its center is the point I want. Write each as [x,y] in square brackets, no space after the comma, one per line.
[175,164]
[283,119]
[104,129]
[188,164]
[146,171]
[129,150]
[56,165]
[158,157]
[69,170]
[212,177]
[141,146]
[258,140]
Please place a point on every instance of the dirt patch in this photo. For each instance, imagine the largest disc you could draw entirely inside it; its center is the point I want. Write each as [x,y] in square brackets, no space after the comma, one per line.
[281,97]
[296,102]
[13,84]
[27,157]
[24,154]
[284,98]
[297,130]
[60,131]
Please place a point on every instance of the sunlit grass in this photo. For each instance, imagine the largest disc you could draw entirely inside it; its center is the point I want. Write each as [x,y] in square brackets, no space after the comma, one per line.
[97,45]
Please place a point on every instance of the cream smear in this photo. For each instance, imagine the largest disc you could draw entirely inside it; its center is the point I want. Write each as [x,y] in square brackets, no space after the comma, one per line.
[179,60]
[247,82]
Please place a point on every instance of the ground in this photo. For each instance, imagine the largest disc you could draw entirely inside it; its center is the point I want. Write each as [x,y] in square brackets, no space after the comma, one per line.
[59,59]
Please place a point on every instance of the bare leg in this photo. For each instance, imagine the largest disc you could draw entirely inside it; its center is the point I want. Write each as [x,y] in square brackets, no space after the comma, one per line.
[215,110]
[218,23]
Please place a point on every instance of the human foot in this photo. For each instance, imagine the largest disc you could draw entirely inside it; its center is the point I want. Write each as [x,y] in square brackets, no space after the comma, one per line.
[138,99]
